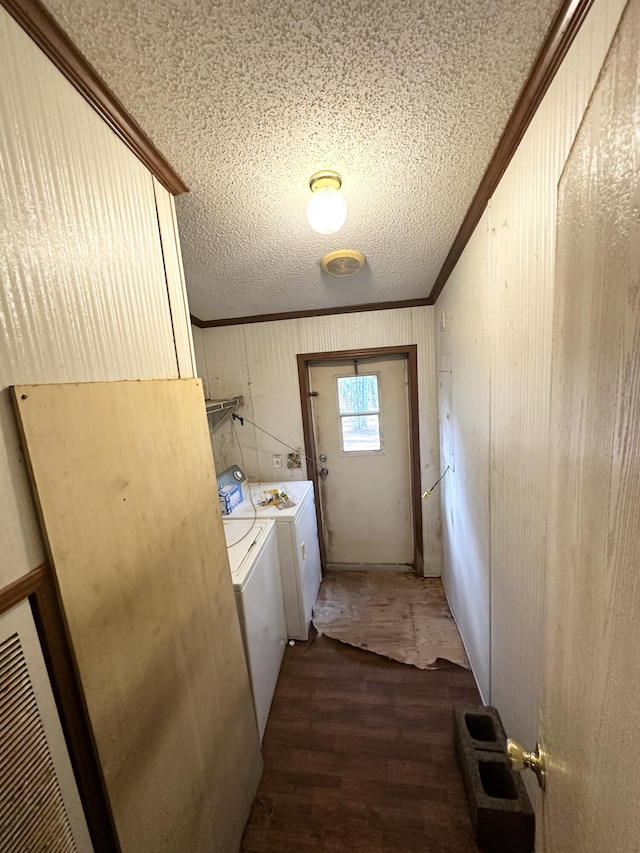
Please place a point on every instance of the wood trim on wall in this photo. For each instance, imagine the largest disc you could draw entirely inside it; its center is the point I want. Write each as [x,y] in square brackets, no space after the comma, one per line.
[559,39]
[39,587]
[410,351]
[310,448]
[40,25]
[25,586]
[414,444]
[316,312]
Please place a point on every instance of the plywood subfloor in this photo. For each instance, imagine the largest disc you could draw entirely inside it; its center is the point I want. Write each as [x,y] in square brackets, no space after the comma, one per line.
[126,485]
[394,614]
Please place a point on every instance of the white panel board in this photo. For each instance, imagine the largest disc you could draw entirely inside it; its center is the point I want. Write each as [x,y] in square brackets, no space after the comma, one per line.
[228,375]
[447,425]
[81,255]
[463,370]
[127,492]
[349,331]
[591,710]
[501,347]
[275,398]
[198,351]
[522,274]
[83,293]
[176,286]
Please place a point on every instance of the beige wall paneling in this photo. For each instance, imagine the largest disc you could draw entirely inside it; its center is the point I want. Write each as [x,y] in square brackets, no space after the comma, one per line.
[176,286]
[517,355]
[350,331]
[463,349]
[259,361]
[125,482]
[520,355]
[591,709]
[38,785]
[197,336]
[275,398]
[521,299]
[228,374]
[83,293]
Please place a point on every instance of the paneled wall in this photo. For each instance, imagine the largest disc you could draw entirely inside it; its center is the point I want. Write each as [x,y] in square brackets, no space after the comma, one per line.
[198,346]
[259,361]
[501,376]
[83,292]
[464,352]
[91,282]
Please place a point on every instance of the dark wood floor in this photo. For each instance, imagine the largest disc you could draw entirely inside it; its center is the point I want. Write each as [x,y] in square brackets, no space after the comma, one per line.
[359,756]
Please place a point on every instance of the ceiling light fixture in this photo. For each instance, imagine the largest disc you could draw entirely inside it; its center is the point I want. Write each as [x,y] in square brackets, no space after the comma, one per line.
[327,209]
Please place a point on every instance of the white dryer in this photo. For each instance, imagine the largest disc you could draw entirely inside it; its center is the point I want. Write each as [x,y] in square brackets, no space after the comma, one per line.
[255,571]
[297,533]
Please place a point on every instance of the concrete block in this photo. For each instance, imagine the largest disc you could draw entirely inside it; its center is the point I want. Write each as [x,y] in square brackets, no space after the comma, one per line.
[499,806]
[479,727]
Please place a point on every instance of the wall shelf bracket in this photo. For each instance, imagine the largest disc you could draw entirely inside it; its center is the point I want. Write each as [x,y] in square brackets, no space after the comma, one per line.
[219,411]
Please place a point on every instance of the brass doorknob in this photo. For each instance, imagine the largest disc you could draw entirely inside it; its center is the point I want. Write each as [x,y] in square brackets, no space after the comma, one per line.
[520,759]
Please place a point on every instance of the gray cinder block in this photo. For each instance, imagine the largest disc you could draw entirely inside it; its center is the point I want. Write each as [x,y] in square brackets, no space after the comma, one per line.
[480,727]
[499,806]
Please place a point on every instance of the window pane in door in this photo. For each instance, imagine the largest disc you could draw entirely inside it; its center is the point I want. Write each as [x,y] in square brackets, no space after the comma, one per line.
[361,432]
[358,395]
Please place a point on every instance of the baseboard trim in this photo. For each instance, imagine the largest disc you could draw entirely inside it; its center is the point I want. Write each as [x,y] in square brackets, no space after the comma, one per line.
[370,567]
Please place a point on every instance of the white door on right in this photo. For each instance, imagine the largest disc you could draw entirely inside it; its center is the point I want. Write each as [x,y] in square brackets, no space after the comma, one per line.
[590,716]
[361,424]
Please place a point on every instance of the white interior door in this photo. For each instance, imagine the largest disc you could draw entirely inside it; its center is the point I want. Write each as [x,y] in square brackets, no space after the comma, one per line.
[361,425]
[590,710]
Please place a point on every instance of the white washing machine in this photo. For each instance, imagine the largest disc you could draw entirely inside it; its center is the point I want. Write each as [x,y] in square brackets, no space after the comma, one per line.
[297,532]
[255,571]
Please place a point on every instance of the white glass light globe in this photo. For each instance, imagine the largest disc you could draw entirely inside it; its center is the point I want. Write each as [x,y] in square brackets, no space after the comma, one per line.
[326,210]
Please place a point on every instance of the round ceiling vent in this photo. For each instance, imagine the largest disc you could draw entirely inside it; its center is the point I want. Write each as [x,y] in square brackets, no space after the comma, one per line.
[343,262]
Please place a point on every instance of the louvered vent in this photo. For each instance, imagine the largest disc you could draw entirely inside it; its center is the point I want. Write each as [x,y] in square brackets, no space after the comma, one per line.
[32,812]
[343,262]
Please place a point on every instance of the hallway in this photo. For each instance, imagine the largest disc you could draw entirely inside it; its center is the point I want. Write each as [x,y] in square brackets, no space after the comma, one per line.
[358,756]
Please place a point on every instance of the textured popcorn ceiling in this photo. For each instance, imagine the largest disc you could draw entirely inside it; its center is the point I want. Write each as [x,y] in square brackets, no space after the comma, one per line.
[246,99]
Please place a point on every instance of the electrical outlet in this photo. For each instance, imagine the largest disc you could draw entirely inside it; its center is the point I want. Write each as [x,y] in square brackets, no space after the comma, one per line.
[277,461]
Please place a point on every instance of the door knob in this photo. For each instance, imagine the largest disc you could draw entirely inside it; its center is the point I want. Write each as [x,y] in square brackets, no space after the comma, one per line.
[520,759]
[323,473]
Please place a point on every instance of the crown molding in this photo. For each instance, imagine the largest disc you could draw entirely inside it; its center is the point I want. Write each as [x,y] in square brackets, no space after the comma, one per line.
[40,25]
[559,39]
[317,312]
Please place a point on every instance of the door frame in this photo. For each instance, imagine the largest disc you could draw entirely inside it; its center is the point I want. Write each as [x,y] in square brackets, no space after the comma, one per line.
[410,352]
